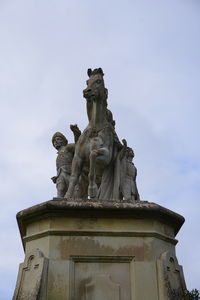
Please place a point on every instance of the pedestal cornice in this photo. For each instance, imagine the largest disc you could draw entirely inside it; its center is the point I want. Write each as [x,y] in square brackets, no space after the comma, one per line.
[105,209]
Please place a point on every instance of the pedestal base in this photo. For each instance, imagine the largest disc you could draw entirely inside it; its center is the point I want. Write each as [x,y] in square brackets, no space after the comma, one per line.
[99,251]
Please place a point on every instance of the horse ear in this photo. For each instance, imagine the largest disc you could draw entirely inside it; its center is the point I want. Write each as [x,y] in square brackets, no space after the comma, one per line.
[89,71]
[101,71]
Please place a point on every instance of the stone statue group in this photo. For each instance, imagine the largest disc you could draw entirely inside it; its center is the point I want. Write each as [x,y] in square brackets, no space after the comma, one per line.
[97,165]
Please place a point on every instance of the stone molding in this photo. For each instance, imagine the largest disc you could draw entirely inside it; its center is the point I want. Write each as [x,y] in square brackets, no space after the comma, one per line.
[100,233]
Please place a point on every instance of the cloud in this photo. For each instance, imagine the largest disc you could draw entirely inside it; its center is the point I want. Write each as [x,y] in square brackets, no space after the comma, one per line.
[149,51]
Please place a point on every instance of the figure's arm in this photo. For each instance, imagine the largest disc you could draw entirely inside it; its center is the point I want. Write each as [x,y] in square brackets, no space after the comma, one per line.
[71,148]
[123,151]
[76,131]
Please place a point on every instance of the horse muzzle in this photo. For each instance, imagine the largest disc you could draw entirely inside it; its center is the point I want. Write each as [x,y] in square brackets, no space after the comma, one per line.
[89,94]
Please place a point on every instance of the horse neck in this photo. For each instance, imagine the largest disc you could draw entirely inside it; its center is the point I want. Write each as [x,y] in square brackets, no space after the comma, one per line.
[89,109]
[98,114]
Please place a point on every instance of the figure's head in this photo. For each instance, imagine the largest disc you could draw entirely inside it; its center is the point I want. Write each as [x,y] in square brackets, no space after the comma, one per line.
[129,153]
[59,140]
[95,85]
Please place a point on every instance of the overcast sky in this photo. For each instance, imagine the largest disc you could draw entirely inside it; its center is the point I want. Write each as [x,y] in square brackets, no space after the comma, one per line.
[150,54]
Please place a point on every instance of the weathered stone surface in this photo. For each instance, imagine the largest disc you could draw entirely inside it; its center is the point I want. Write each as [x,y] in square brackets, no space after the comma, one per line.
[171,274]
[100,277]
[32,277]
[142,210]
[101,287]
[86,242]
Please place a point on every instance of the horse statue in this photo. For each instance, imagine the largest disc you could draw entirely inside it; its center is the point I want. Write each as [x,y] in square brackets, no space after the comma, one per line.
[94,149]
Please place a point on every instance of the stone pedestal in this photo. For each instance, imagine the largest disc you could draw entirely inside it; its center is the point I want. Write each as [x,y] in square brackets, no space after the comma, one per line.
[99,251]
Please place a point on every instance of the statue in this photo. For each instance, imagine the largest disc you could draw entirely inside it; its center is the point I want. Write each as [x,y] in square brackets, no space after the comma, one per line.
[64,159]
[95,145]
[97,165]
[128,173]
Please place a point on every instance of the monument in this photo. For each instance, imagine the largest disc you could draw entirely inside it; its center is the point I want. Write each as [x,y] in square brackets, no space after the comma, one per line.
[97,240]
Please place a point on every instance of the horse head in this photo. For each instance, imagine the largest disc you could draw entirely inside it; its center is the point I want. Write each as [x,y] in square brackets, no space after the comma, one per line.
[95,89]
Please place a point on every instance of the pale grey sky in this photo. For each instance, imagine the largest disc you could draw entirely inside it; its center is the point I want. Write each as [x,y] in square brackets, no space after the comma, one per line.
[149,51]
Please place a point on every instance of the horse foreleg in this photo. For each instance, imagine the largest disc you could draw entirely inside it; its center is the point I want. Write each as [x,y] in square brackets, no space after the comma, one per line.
[77,165]
[92,188]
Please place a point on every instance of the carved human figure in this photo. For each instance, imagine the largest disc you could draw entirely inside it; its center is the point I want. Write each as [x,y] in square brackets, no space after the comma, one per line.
[128,187]
[64,159]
